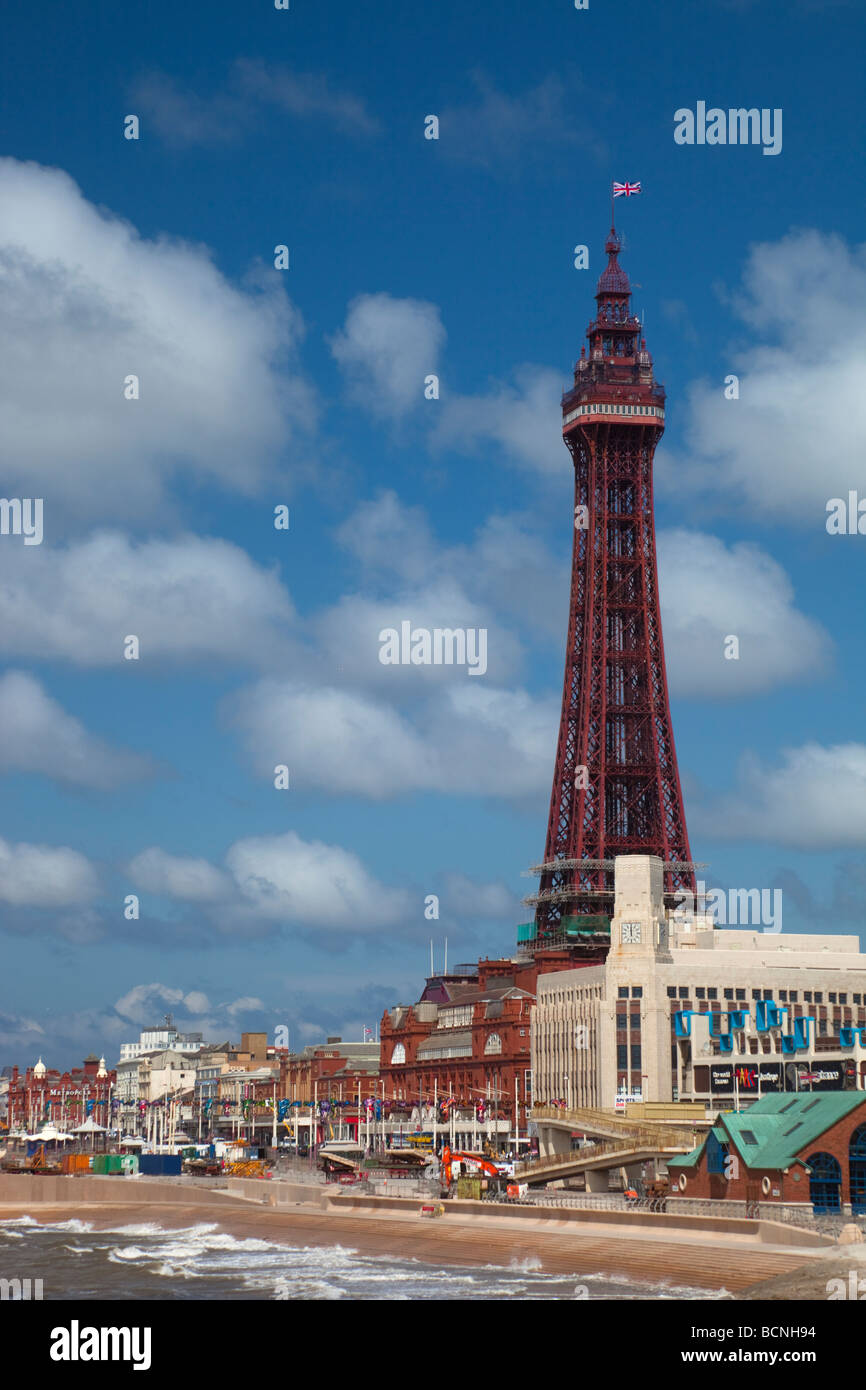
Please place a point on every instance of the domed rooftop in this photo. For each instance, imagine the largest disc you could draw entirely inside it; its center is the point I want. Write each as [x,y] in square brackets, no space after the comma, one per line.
[613,279]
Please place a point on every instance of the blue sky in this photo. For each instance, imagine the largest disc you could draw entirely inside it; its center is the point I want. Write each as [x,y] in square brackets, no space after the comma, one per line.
[305,387]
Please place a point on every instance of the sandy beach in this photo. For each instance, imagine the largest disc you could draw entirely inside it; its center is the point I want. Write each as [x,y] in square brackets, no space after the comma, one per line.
[644,1251]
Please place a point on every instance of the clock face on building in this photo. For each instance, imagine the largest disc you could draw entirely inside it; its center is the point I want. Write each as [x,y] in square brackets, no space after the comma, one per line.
[631,933]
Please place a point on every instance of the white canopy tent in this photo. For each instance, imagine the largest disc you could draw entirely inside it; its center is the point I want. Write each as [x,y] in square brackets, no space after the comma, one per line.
[92,1128]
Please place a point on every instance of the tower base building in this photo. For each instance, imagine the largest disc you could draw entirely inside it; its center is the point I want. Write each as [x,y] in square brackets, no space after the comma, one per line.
[684,1010]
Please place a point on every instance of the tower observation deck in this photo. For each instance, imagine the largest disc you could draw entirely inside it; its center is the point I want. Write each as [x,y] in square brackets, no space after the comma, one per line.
[616,786]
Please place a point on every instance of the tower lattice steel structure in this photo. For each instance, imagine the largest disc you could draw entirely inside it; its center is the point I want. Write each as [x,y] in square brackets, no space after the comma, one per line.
[616,787]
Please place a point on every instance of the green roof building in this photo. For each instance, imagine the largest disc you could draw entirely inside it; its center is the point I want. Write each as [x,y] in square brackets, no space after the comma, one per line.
[804,1149]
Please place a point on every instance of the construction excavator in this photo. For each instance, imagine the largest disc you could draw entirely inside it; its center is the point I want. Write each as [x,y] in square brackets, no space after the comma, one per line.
[475,1164]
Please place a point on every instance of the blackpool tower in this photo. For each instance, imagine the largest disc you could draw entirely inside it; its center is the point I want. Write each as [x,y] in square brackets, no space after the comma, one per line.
[616,787]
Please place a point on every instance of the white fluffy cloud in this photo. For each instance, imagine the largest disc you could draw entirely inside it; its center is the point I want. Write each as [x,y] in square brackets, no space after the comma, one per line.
[37,735]
[506,568]
[387,347]
[143,1005]
[245,1004]
[275,880]
[45,876]
[388,537]
[794,439]
[709,592]
[286,879]
[521,417]
[181,877]
[470,740]
[344,741]
[188,599]
[86,301]
[347,637]
[813,799]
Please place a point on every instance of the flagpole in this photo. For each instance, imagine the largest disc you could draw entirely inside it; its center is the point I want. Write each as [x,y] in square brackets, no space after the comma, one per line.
[612,224]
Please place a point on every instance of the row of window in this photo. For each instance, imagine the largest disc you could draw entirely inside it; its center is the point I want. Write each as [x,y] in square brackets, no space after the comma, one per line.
[437,1054]
[785,996]
[571,996]
[492,1047]
[618,311]
[455,1018]
[598,408]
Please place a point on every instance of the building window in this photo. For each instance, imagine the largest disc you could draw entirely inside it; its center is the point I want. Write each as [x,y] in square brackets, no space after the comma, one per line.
[635,1056]
[712,994]
[455,1018]
[756,994]
[672,992]
[783,996]
[622,992]
[843,999]
[621,1021]
[807,995]
[729,994]
[741,995]
[637,992]
[832,998]
[398,1056]
[683,992]
[493,1044]
[793,997]
[819,996]
[622,1056]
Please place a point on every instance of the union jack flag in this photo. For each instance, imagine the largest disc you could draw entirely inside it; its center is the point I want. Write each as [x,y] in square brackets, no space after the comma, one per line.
[625,190]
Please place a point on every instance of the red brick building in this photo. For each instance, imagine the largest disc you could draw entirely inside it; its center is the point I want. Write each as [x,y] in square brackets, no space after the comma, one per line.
[808,1148]
[65,1099]
[468,1037]
[333,1070]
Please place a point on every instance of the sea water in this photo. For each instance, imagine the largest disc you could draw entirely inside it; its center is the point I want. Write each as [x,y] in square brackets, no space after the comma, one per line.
[145,1261]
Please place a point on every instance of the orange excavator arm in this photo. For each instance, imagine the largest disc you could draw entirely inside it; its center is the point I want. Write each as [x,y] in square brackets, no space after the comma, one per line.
[484,1164]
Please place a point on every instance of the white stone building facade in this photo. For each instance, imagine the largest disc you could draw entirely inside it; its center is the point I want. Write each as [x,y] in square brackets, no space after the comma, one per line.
[758,1011]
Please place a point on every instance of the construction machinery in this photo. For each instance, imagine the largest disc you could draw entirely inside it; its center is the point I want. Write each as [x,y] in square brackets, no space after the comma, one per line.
[493,1183]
